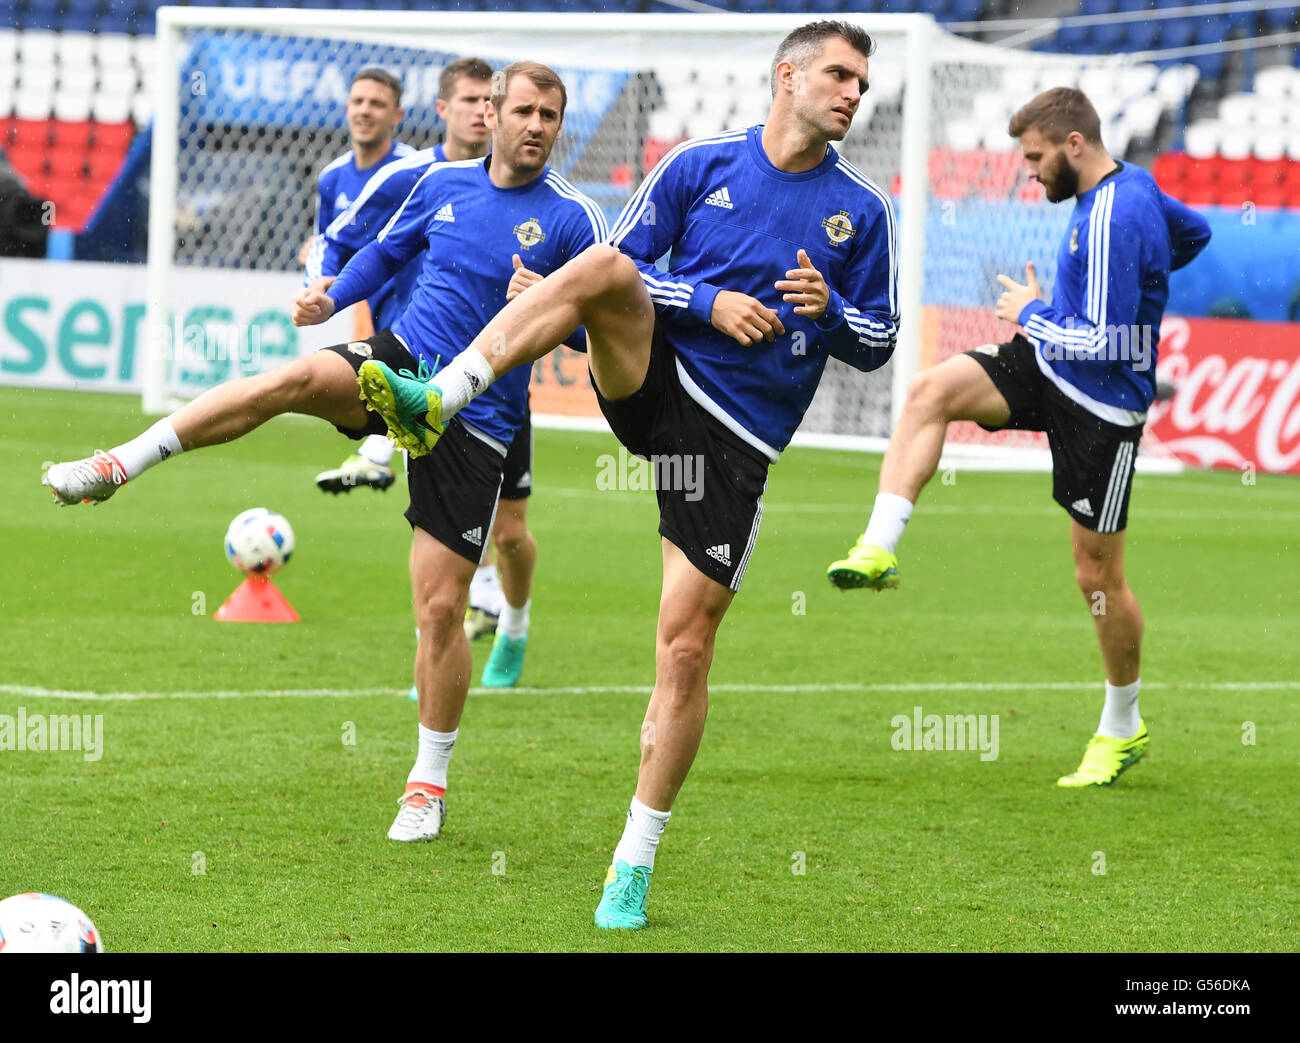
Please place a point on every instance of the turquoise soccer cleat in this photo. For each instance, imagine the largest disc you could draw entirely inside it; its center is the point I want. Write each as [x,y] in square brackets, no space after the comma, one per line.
[415,694]
[506,662]
[410,405]
[622,906]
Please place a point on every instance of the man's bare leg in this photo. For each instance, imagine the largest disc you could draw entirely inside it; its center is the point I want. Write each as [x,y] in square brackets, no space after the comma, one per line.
[957,389]
[440,589]
[600,289]
[691,608]
[1099,571]
[322,384]
[516,559]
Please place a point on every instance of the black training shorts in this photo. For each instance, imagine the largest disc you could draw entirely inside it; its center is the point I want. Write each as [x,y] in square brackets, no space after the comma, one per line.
[709,481]
[1092,459]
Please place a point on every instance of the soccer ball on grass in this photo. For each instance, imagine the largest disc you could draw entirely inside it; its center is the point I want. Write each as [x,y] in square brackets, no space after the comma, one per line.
[35,922]
[259,542]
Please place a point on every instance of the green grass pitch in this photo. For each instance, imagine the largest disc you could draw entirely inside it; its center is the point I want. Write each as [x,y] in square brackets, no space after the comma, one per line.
[220,817]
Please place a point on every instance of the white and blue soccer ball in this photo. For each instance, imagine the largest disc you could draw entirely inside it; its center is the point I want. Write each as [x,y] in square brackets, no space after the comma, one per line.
[259,542]
[35,922]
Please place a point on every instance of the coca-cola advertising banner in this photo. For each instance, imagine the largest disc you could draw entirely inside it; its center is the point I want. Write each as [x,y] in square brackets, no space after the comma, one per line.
[1237,397]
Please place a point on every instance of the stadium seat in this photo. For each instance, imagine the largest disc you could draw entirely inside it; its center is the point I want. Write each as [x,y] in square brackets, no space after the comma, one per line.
[103,166]
[1280,19]
[33,134]
[113,137]
[72,134]
[1176,32]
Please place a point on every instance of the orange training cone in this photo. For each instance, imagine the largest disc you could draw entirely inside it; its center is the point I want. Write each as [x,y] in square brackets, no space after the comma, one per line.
[256,600]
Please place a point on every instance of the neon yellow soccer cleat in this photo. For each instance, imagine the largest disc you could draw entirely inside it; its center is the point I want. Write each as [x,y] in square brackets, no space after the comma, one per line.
[866,566]
[1107,758]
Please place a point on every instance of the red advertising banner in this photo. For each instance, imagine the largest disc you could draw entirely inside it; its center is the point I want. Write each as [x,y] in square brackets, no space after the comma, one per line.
[1237,394]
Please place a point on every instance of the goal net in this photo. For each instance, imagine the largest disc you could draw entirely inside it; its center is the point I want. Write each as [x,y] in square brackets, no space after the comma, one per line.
[251,106]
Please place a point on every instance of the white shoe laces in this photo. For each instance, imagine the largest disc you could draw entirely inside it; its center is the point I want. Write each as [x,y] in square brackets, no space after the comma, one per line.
[411,816]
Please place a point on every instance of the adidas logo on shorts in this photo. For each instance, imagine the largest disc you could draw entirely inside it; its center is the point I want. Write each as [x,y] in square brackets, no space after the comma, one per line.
[722,553]
[720,198]
[1082,506]
[474,536]
[444,214]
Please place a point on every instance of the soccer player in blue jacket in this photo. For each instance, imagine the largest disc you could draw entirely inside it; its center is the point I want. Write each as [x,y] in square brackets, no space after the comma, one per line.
[1083,371]
[465,86]
[781,255]
[463,90]
[487,230]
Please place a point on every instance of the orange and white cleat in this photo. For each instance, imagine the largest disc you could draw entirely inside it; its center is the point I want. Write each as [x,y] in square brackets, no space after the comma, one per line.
[92,480]
[421,815]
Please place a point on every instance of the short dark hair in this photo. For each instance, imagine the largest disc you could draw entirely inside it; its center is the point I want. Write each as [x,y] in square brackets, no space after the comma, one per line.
[374,72]
[1056,113]
[543,76]
[462,68]
[807,42]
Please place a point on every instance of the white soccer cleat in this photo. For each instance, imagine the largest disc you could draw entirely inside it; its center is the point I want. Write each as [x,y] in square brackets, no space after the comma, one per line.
[92,480]
[354,471]
[421,816]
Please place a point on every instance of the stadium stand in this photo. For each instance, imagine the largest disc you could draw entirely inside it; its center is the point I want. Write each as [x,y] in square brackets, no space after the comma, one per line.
[75,80]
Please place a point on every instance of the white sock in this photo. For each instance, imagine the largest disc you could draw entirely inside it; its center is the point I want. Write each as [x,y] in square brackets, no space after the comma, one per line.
[888,520]
[514,621]
[152,447]
[378,449]
[466,377]
[434,756]
[641,835]
[485,579]
[1119,717]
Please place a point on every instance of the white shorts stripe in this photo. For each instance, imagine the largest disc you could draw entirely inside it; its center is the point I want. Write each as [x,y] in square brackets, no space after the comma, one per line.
[753,539]
[1115,489]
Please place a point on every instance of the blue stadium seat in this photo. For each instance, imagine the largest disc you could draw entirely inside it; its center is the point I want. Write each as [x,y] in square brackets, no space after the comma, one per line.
[78,21]
[1141,36]
[1177,32]
[1211,65]
[1108,37]
[42,14]
[116,20]
[1281,18]
[1073,39]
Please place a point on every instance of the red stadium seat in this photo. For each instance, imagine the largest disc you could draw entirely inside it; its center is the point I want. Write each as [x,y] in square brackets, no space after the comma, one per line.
[67,159]
[31,133]
[73,133]
[1170,171]
[1200,187]
[1234,183]
[29,163]
[114,137]
[104,166]
[1271,196]
[1266,172]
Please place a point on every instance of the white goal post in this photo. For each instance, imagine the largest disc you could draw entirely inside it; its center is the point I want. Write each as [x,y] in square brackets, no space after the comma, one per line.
[249,107]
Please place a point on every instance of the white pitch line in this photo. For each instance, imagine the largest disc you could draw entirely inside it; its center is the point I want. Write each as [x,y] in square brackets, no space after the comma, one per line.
[34,692]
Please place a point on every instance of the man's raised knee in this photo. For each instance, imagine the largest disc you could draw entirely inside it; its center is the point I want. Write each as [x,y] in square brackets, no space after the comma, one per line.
[927,394]
[602,269]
